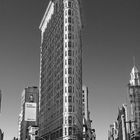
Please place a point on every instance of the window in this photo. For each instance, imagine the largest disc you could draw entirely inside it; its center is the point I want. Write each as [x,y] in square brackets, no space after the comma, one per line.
[65,20]
[69,12]
[69,99]
[65,89]
[66,12]
[65,62]
[65,131]
[69,27]
[65,71]
[69,36]
[69,61]
[66,44]
[65,28]
[69,70]
[70,130]
[69,44]
[65,36]
[69,52]
[65,53]
[70,108]
[70,119]
[69,4]
[70,80]
[65,98]
[69,19]
[70,89]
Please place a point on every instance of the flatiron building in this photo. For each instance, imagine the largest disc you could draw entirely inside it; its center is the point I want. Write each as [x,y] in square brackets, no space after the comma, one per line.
[61,71]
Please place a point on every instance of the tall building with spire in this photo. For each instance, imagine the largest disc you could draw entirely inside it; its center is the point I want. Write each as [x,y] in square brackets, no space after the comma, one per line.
[61,71]
[134,98]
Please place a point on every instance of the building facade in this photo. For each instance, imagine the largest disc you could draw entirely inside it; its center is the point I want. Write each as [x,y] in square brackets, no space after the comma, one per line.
[0,100]
[29,111]
[88,132]
[122,123]
[134,98]
[1,135]
[113,131]
[61,71]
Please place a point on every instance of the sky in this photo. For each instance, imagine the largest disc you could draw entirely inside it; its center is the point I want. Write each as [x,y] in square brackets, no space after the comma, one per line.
[110,40]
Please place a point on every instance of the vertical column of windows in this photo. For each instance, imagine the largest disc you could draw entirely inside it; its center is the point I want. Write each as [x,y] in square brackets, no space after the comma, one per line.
[69,68]
[65,67]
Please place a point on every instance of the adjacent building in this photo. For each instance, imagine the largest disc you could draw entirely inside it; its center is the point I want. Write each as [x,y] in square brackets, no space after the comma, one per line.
[128,120]
[122,122]
[0,100]
[61,71]
[1,135]
[88,132]
[29,111]
[113,132]
[119,129]
[134,98]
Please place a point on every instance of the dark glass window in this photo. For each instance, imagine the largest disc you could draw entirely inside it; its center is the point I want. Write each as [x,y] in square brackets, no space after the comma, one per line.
[66,12]
[69,44]
[69,61]
[65,131]
[69,19]
[65,20]
[70,89]
[69,99]
[65,98]
[69,70]
[70,108]
[65,53]
[65,36]
[69,12]
[70,119]
[69,52]
[69,36]
[70,80]
[69,27]
[70,130]
[65,28]
[65,44]
[69,4]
